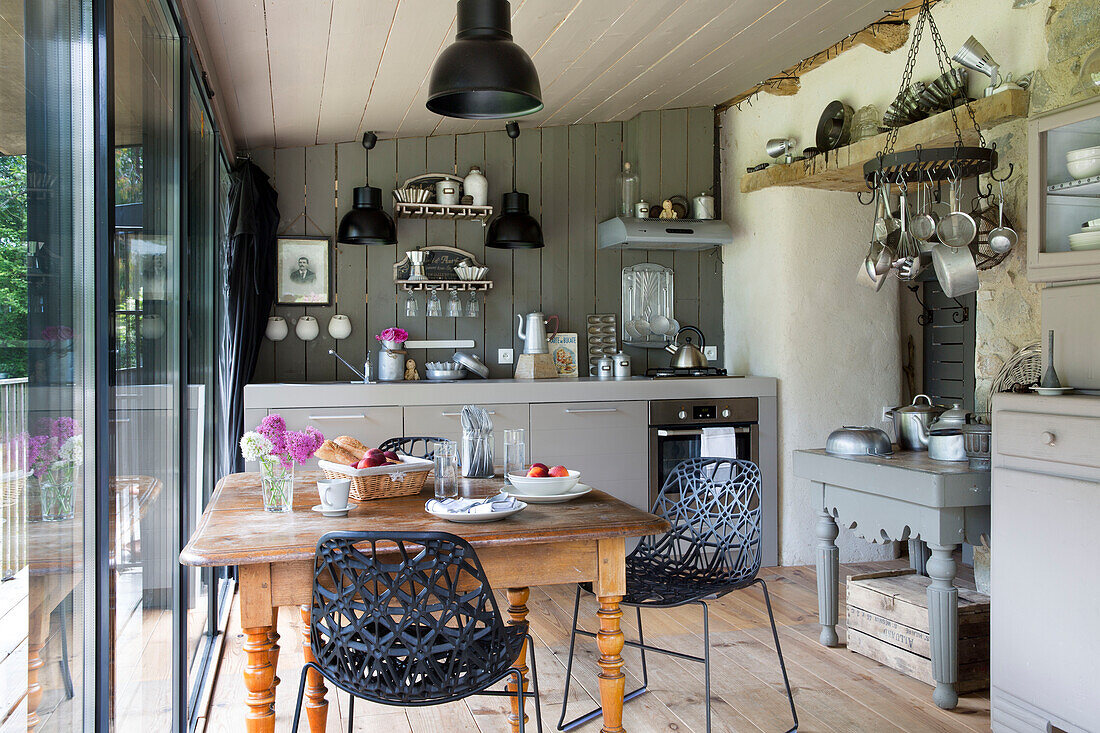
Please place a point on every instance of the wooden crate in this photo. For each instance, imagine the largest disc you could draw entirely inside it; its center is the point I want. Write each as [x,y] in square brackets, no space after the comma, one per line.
[887,619]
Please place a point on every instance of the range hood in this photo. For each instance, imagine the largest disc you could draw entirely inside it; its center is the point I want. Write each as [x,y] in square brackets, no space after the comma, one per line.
[685,235]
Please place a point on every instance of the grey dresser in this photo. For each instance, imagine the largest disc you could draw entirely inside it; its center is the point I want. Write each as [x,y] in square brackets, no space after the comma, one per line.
[1044,635]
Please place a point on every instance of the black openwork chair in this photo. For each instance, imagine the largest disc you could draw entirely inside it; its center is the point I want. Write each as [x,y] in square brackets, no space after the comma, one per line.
[417,447]
[408,618]
[713,548]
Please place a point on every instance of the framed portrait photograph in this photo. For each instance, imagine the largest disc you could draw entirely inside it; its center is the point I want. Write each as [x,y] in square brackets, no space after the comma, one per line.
[303,273]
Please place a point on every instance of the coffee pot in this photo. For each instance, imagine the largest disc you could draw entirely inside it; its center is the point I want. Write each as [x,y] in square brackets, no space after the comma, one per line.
[532,329]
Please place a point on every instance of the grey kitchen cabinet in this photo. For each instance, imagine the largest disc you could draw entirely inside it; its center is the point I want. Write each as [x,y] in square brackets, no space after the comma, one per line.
[1046,507]
[442,421]
[608,442]
[370,425]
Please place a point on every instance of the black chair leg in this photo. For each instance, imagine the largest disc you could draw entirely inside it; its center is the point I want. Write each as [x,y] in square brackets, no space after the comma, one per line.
[351,711]
[706,658]
[298,704]
[66,674]
[641,641]
[569,662]
[534,682]
[519,697]
[779,653]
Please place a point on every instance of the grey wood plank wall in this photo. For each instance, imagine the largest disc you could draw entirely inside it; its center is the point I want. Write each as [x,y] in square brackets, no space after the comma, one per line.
[570,174]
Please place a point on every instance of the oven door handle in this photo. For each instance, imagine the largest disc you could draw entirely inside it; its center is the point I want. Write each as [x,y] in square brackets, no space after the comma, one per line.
[686,433]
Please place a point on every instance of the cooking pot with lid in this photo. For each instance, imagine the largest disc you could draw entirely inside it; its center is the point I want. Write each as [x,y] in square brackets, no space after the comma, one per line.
[912,422]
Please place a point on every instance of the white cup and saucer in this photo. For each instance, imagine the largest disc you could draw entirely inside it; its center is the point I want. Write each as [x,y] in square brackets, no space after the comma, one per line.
[333,494]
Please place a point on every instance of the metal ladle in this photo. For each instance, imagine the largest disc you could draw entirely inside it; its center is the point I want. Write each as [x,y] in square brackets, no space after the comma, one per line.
[1002,238]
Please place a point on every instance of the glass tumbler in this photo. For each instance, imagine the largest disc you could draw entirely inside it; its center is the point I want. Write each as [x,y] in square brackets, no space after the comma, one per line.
[411,308]
[515,452]
[454,305]
[435,308]
[446,469]
[473,306]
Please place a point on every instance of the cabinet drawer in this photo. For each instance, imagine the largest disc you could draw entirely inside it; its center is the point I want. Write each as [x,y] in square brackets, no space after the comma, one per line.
[1064,439]
[370,425]
[588,415]
[442,421]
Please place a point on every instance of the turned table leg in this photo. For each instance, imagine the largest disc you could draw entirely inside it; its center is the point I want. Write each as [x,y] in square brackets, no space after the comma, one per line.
[38,628]
[316,704]
[943,624]
[273,637]
[828,576]
[517,614]
[610,640]
[259,680]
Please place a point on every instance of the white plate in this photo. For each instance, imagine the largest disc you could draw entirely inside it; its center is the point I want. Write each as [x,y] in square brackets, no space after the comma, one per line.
[478,518]
[1084,237]
[1053,391]
[1084,247]
[335,512]
[578,490]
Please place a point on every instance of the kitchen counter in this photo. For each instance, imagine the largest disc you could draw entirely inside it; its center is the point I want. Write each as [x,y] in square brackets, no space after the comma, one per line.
[505,391]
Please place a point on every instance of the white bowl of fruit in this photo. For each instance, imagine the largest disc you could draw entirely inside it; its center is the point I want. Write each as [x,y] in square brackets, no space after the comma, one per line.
[545,480]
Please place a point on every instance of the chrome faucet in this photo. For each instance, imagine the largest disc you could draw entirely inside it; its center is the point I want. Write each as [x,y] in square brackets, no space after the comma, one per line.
[365,375]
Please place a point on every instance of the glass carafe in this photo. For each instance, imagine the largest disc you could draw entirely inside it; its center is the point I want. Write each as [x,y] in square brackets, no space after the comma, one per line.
[628,191]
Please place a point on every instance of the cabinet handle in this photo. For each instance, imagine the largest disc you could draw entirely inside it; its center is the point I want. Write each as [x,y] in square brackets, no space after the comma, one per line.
[570,411]
[337,417]
[457,414]
[1049,438]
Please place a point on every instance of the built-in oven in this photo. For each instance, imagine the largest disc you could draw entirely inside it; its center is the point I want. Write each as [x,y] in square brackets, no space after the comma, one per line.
[676,432]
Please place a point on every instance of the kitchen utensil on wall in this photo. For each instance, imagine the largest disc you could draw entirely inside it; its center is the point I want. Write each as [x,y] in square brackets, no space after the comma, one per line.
[958,228]
[834,128]
[532,329]
[923,225]
[476,185]
[647,293]
[686,355]
[277,329]
[628,191]
[1050,374]
[306,328]
[858,440]
[777,147]
[1003,238]
[912,421]
[417,259]
[339,326]
[702,206]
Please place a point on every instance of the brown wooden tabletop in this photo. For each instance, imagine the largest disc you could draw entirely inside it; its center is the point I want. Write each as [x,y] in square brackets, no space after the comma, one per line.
[235,529]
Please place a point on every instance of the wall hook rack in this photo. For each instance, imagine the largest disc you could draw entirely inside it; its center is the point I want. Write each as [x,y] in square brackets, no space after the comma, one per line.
[959,314]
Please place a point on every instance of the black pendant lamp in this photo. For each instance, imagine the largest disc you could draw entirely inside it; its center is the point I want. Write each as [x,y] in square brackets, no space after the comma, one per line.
[484,74]
[514,227]
[367,222]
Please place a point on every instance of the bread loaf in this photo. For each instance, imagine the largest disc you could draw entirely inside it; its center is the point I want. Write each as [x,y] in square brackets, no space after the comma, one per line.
[336,453]
[349,443]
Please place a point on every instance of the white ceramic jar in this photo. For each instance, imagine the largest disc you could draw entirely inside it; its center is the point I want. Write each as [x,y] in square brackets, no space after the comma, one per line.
[339,327]
[277,329]
[307,328]
[476,185]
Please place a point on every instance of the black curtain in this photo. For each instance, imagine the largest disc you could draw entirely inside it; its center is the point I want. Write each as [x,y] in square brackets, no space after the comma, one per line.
[248,289]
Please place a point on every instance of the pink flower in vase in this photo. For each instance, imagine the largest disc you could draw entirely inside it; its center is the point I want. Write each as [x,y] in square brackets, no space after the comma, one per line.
[393,334]
[302,444]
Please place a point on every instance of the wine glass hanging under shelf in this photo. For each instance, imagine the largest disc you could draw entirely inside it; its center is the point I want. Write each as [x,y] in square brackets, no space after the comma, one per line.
[647,299]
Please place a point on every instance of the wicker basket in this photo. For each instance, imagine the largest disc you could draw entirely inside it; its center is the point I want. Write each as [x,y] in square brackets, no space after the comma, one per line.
[383,482]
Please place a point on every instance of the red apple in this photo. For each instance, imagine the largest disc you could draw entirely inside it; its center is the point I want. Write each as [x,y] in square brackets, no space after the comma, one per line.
[543,466]
[374,461]
[362,463]
[374,452]
[559,472]
[537,471]
[390,455]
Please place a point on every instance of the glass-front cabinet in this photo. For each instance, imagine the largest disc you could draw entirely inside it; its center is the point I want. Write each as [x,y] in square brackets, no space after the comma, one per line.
[1064,194]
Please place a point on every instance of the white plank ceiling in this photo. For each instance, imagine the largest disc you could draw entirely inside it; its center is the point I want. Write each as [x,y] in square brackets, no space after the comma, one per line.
[300,72]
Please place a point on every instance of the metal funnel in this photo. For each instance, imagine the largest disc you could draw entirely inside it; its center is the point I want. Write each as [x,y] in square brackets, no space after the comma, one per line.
[973,55]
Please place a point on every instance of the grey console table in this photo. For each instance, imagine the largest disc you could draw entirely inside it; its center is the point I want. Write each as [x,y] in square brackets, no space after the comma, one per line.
[907,497]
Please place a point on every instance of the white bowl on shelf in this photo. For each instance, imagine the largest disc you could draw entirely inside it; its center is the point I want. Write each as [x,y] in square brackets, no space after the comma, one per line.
[1084,167]
[1082,153]
[1083,241]
[546,486]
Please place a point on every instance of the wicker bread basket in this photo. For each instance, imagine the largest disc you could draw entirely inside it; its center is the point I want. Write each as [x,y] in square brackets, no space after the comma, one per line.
[383,482]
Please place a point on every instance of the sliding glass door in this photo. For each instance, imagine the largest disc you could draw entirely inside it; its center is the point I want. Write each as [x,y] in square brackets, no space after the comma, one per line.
[47,367]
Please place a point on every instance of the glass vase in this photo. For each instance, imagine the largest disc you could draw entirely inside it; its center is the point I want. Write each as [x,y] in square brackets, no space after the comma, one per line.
[277,482]
[55,491]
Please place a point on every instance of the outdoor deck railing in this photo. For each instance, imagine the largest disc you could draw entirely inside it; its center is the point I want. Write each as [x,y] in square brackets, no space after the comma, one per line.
[13,481]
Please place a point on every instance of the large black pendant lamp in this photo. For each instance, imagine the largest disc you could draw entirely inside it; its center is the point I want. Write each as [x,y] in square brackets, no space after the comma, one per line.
[514,227]
[367,222]
[484,74]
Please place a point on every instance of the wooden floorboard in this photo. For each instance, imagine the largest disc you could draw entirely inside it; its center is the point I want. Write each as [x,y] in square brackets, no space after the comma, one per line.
[834,689]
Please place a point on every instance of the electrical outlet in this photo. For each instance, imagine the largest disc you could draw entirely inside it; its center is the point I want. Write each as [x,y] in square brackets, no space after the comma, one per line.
[504,356]
[711,352]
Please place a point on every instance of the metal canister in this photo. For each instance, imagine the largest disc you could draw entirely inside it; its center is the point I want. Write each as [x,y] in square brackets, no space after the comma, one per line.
[391,365]
[622,365]
[605,368]
[703,206]
[641,209]
[446,192]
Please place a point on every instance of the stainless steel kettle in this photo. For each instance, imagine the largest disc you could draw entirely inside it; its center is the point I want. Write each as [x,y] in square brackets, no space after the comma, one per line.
[687,355]
[532,329]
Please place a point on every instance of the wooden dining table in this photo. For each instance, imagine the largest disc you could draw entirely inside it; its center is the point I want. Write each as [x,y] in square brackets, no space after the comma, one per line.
[583,540]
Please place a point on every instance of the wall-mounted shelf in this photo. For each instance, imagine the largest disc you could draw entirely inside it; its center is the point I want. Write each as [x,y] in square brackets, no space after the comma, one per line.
[418,285]
[442,212]
[1084,187]
[843,171]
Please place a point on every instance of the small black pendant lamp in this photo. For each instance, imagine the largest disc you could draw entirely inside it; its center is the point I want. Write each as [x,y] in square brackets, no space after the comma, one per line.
[367,222]
[514,227]
[484,74]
